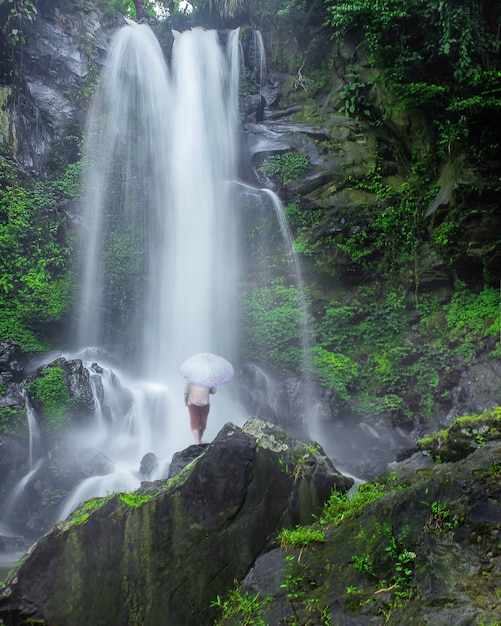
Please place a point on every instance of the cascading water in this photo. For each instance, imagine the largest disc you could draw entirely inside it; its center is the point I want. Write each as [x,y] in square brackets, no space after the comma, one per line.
[159,249]
[160,264]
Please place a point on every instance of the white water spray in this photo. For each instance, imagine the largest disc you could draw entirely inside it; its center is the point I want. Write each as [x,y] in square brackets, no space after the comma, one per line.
[159,249]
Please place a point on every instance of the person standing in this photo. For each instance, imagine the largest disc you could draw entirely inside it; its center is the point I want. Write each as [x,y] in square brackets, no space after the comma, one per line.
[197,399]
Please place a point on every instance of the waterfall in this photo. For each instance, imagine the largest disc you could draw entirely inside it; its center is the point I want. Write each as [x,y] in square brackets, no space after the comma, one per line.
[159,250]
[126,190]
[159,254]
[33,432]
[159,262]
[260,65]
[196,299]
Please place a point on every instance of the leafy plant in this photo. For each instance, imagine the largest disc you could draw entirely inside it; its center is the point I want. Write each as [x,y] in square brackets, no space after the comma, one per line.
[35,276]
[400,565]
[134,500]
[300,537]
[21,11]
[440,520]
[243,607]
[286,167]
[272,326]
[353,96]
[293,581]
[339,505]
[471,317]
[335,371]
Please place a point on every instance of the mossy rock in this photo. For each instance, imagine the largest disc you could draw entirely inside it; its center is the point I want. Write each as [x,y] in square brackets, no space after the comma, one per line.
[464,436]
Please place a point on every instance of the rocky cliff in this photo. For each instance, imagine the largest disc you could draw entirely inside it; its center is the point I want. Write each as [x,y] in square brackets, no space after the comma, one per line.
[164,553]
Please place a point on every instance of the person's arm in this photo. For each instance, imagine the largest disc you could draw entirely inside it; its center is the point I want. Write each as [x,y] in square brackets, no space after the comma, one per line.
[186,393]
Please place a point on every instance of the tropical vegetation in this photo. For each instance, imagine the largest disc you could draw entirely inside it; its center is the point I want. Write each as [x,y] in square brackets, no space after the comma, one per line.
[386,335]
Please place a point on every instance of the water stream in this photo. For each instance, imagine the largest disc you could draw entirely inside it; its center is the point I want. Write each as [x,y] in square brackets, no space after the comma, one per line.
[160,267]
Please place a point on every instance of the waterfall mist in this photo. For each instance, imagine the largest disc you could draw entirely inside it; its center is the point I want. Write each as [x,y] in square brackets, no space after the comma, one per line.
[159,263]
[159,251]
[169,239]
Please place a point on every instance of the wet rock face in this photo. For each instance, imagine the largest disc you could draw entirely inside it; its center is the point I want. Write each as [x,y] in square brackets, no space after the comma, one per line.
[172,550]
[55,63]
[464,436]
[76,377]
[12,362]
[478,389]
[444,518]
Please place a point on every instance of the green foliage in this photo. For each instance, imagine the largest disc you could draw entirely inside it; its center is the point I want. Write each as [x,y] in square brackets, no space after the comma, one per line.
[272,328]
[115,7]
[353,96]
[441,520]
[13,421]
[471,317]
[293,581]
[21,11]
[440,56]
[372,181]
[335,371]
[400,565]
[247,85]
[286,167]
[304,222]
[339,505]
[68,184]
[414,95]
[88,84]
[370,338]
[35,277]
[134,500]
[51,391]
[239,608]
[394,235]
[300,537]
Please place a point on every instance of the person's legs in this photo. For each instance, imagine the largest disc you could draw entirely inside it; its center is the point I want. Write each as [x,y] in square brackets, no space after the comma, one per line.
[198,420]
[204,413]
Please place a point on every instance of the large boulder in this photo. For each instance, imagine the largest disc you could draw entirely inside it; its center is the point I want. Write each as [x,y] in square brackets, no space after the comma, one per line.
[163,554]
[425,550]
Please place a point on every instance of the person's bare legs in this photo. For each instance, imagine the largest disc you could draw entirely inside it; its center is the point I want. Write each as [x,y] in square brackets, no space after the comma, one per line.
[197,435]
[198,419]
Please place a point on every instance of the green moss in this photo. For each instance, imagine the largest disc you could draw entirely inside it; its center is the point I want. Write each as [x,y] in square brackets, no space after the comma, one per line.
[464,435]
[82,513]
[181,478]
[134,499]
[51,391]
[340,506]
[13,422]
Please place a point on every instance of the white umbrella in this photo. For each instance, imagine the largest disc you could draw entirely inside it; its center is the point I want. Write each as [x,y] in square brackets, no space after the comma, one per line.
[207,369]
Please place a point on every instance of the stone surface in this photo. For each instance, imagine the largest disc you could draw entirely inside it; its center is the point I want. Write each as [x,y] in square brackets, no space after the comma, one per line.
[12,362]
[442,521]
[166,556]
